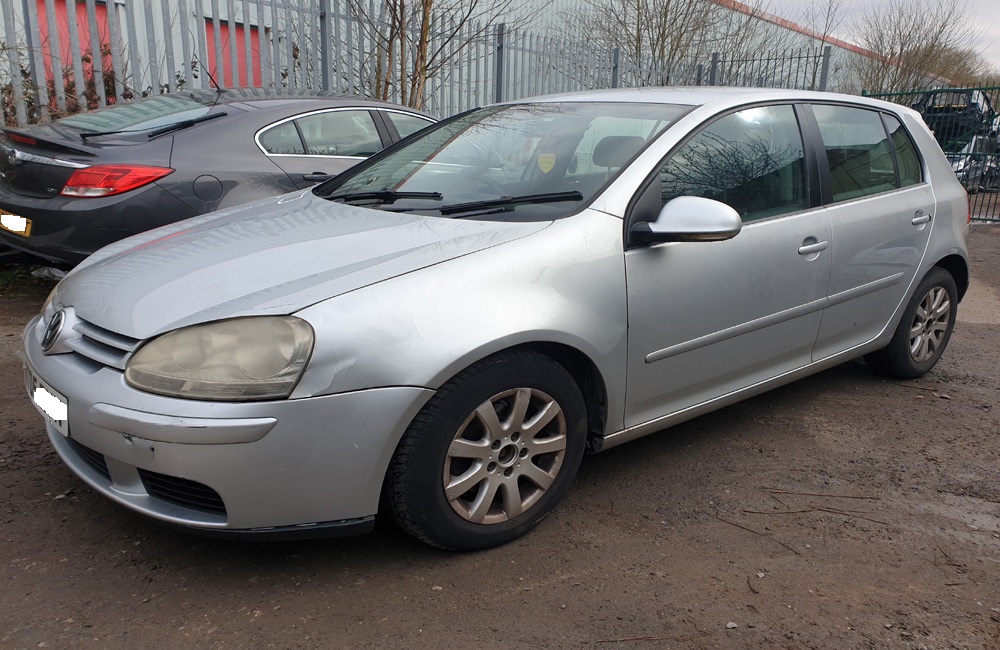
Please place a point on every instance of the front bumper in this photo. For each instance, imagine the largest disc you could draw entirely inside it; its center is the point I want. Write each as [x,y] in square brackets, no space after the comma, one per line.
[308,466]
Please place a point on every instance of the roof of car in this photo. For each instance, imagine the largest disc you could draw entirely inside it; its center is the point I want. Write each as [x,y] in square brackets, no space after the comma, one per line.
[704,95]
[272,98]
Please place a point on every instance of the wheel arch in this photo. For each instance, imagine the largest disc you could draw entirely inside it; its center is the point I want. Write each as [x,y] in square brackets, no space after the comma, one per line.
[959,270]
[587,377]
[581,367]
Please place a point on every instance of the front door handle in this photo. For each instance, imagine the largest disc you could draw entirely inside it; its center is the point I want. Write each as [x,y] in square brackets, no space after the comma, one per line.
[809,249]
[317,177]
[920,217]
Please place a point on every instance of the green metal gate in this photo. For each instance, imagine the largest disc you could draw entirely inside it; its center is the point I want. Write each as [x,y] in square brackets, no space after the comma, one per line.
[966,123]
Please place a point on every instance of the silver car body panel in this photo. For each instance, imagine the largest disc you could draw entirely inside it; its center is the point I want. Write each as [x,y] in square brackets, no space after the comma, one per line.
[308,468]
[179,275]
[759,304]
[403,303]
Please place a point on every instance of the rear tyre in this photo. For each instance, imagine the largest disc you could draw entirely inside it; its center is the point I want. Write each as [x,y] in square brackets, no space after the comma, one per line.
[490,455]
[924,331]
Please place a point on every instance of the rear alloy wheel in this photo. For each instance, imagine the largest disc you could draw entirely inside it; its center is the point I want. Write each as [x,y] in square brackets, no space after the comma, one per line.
[924,331]
[490,455]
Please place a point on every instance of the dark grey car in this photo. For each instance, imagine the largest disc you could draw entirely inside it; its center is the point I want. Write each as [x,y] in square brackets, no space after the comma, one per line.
[74,185]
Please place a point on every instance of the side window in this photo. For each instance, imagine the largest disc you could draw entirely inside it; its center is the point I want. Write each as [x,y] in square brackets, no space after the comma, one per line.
[752,160]
[407,124]
[282,139]
[340,133]
[858,151]
[906,152]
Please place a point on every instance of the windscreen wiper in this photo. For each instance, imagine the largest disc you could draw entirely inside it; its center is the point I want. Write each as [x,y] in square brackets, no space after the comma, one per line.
[503,201]
[176,126]
[183,124]
[385,196]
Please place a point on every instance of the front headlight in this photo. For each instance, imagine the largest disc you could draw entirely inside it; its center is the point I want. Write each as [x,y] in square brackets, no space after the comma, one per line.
[238,360]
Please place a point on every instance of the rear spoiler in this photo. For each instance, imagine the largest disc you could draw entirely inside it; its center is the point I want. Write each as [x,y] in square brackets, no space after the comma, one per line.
[53,143]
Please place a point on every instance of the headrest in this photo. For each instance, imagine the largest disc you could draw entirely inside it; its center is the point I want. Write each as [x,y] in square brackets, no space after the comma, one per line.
[616,150]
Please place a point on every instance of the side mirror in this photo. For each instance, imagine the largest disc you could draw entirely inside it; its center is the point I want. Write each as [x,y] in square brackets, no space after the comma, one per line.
[690,218]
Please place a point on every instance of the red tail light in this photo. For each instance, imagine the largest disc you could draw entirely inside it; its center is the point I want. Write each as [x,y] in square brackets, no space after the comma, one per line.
[17,137]
[105,180]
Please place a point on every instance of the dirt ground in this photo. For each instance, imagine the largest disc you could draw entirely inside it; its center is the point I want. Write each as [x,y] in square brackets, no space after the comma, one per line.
[844,511]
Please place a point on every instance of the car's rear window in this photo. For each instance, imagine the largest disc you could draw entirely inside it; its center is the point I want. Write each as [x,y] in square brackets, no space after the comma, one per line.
[950,100]
[142,114]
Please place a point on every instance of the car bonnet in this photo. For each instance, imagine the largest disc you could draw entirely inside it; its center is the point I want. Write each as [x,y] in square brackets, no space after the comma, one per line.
[275,256]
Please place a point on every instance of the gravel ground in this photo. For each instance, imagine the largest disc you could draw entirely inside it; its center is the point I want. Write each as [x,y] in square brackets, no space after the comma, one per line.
[844,511]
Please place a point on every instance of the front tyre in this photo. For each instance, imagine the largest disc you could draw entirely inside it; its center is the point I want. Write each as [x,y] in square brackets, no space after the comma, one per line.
[490,454]
[924,331]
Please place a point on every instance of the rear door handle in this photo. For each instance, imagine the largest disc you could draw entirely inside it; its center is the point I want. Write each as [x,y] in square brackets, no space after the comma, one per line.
[809,249]
[317,177]
[920,217]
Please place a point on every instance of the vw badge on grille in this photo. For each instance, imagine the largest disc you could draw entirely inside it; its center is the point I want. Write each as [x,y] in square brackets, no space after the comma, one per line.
[52,330]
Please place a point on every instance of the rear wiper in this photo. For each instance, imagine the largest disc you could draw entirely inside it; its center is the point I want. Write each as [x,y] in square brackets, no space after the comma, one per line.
[385,196]
[183,124]
[501,201]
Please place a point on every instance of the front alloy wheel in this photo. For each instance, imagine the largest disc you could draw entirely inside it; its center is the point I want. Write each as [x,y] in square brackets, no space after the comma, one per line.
[505,455]
[490,454]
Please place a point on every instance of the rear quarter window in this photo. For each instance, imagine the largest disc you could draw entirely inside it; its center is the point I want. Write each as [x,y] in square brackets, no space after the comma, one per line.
[407,124]
[907,160]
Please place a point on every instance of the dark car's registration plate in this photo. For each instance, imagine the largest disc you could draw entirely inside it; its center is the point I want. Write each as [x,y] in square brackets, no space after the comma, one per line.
[15,224]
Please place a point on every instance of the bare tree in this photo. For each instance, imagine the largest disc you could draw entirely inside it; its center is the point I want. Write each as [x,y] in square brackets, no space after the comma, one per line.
[668,33]
[823,19]
[660,32]
[744,29]
[414,41]
[909,39]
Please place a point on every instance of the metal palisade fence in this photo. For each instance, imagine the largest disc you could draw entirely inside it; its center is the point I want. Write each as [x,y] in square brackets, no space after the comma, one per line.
[62,56]
[966,123]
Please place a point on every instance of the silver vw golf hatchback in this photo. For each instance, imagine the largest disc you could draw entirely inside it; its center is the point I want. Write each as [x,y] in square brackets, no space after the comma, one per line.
[441,332]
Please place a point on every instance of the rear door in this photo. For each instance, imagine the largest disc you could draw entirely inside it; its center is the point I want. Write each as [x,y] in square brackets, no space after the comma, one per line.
[881,211]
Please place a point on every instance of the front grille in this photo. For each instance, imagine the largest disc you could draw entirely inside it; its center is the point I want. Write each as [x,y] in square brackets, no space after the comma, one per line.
[100,345]
[94,459]
[182,492]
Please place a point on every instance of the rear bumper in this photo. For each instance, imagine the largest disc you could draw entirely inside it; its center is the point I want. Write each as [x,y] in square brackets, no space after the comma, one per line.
[65,230]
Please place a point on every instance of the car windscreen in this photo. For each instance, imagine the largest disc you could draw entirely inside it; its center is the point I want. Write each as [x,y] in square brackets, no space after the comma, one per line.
[521,162]
[142,115]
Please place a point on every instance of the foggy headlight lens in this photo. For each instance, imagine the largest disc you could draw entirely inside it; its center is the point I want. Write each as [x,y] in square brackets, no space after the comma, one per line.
[237,360]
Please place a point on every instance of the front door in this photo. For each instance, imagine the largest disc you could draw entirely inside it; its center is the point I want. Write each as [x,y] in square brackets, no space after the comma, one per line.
[710,318]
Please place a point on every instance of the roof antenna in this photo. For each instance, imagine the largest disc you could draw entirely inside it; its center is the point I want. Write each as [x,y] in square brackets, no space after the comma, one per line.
[215,83]
[218,88]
